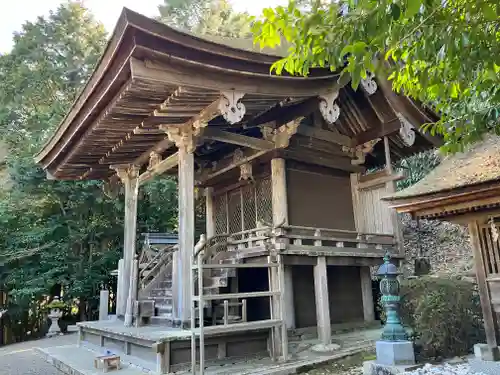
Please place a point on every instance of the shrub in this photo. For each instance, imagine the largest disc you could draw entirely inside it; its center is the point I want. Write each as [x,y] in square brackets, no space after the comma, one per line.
[443,314]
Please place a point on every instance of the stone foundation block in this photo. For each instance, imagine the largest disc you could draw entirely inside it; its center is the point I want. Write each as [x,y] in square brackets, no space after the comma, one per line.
[486,353]
[398,353]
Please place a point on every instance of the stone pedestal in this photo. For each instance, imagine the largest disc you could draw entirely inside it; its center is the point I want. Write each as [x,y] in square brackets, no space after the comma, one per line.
[486,353]
[393,357]
[395,353]
[103,305]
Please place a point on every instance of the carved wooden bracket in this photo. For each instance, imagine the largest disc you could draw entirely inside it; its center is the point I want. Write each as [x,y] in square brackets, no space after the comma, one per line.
[328,108]
[282,135]
[126,172]
[369,84]
[182,137]
[407,131]
[231,107]
[361,151]
[246,172]
[154,159]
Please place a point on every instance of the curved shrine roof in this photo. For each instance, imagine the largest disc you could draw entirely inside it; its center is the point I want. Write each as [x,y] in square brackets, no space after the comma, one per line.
[151,74]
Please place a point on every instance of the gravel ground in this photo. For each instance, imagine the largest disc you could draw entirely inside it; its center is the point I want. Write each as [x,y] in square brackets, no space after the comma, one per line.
[21,359]
[446,369]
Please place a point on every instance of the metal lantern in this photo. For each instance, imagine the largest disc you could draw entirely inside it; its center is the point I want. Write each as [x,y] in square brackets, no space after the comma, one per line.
[389,287]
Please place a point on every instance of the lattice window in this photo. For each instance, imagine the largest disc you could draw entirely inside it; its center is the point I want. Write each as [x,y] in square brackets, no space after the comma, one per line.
[491,249]
[264,203]
[249,209]
[220,207]
[240,209]
[234,211]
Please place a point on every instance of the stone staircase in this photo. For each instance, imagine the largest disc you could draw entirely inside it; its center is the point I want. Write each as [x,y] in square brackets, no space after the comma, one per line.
[156,283]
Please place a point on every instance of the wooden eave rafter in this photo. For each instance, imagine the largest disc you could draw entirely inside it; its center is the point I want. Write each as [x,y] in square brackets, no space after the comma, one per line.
[449,203]
[153,75]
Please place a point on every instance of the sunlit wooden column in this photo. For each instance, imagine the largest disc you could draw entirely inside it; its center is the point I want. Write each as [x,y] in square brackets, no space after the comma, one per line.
[280,217]
[210,211]
[129,175]
[322,301]
[185,141]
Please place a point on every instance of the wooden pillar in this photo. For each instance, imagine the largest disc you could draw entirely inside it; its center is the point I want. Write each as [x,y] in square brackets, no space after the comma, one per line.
[322,302]
[183,278]
[121,293]
[129,175]
[280,217]
[391,188]
[367,294]
[279,193]
[490,325]
[210,211]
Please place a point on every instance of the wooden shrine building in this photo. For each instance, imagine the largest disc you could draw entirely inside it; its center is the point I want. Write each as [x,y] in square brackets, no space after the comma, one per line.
[465,188]
[293,220]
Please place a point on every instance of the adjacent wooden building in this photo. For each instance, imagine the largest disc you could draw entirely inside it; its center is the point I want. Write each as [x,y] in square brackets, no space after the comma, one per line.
[465,188]
[282,161]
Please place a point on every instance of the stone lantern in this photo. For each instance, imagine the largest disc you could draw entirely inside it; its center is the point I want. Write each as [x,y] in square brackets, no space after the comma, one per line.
[55,314]
[394,351]
[389,287]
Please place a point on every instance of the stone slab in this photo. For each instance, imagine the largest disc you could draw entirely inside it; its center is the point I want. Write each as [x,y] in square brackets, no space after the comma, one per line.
[398,353]
[484,367]
[374,368]
[73,360]
[486,353]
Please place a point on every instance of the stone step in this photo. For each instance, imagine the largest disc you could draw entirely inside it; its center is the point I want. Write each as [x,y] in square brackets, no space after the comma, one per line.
[162,320]
[163,309]
[161,292]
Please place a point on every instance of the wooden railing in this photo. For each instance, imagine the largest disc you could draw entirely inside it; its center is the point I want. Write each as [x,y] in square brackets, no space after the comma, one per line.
[248,239]
[298,235]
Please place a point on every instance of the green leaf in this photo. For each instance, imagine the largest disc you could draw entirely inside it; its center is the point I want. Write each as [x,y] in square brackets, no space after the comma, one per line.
[489,11]
[395,11]
[412,7]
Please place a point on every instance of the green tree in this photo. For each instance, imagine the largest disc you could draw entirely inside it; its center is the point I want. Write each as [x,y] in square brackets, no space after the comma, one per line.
[51,59]
[212,17]
[58,234]
[444,53]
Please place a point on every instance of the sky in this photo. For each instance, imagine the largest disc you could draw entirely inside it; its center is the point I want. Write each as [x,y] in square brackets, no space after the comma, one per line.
[12,16]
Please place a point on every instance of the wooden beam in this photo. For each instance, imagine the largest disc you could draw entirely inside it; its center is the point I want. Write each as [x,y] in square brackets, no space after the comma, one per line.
[325,135]
[385,129]
[237,139]
[329,162]
[159,168]
[228,164]
[177,72]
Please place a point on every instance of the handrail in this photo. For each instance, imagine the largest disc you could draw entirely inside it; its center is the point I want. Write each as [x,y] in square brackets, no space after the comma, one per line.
[148,278]
[337,230]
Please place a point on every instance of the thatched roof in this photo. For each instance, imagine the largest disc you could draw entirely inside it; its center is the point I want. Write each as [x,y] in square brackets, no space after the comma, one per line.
[479,164]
